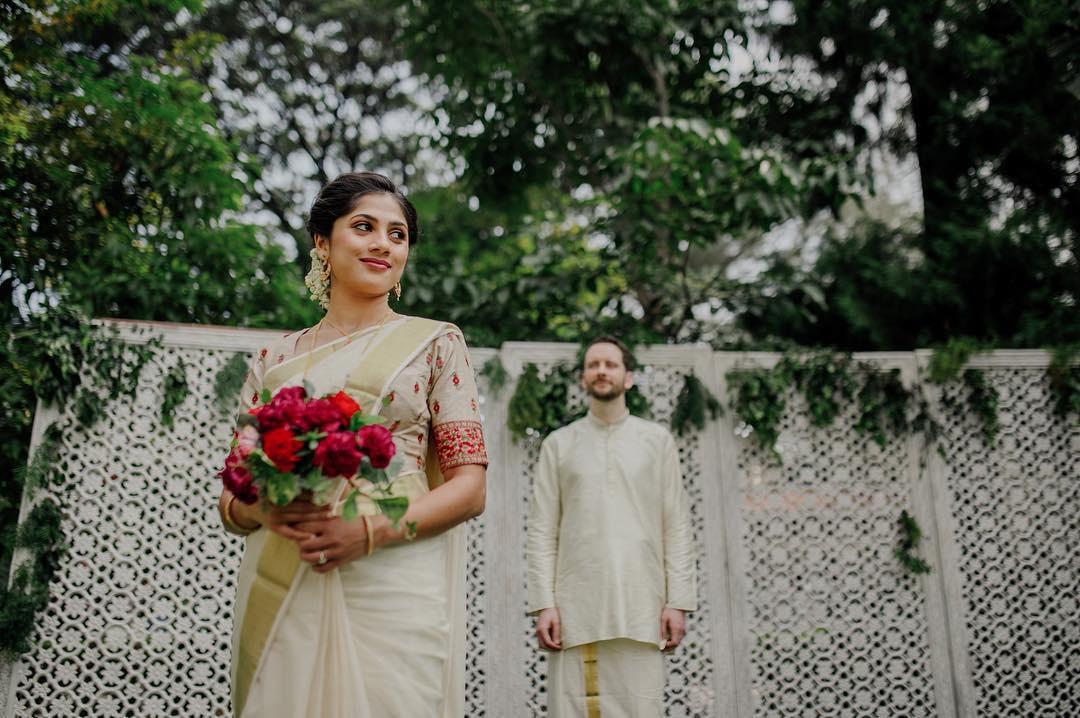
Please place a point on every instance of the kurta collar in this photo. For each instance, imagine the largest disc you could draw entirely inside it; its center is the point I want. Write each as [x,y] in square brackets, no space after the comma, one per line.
[601,424]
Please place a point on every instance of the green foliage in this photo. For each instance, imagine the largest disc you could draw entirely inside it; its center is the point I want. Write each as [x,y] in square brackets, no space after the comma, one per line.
[174,389]
[495,374]
[949,359]
[910,536]
[883,405]
[825,380]
[117,190]
[1064,376]
[539,406]
[229,380]
[28,593]
[757,397]
[983,402]
[694,406]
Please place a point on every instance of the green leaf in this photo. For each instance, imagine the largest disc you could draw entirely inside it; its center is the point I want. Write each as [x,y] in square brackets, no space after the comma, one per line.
[265,396]
[358,420]
[282,488]
[393,507]
[350,510]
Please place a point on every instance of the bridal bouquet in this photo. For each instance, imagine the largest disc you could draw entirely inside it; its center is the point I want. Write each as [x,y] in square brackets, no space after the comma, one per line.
[294,443]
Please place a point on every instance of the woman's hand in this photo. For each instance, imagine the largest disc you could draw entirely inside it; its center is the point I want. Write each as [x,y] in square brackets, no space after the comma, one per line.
[284,520]
[336,539]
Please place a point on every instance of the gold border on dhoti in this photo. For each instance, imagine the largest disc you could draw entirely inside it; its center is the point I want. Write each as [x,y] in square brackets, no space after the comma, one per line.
[592,680]
[278,565]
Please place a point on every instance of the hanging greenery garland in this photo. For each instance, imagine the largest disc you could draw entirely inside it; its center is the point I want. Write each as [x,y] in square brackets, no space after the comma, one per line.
[694,406]
[910,536]
[496,375]
[1064,376]
[174,390]
[229,380]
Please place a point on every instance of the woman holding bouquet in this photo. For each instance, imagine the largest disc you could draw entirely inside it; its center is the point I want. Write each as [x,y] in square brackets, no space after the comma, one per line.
[360,618]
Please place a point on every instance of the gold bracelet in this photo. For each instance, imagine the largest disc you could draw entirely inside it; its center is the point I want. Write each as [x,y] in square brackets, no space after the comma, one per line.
[231,525]
[370,535]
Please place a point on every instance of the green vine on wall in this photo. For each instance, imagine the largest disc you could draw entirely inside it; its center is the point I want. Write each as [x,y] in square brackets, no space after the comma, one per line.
[1064,376]
[827,381]
[229,380]
[694,406]
[495,374]
[174,390]
[910,536]
[68,360]
[947,364]
[883,404]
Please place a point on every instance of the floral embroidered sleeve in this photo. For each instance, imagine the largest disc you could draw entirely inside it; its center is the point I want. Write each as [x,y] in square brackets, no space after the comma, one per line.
[453,401]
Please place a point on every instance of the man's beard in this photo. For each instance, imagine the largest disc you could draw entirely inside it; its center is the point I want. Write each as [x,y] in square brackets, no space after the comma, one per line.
[610,394]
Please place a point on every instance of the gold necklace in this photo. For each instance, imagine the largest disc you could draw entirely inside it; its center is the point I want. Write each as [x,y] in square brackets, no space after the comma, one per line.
[315,339]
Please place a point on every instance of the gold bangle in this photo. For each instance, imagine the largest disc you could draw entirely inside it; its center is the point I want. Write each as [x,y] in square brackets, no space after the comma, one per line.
[370,535]
[231,523]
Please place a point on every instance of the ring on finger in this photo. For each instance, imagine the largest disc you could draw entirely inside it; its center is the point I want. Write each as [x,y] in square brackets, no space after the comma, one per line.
[322,557]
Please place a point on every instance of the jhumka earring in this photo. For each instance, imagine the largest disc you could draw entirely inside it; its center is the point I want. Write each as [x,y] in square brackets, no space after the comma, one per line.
[318,278]
[397,291]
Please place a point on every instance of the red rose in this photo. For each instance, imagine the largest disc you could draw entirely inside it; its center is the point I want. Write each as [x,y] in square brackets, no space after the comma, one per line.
[338,454]
[320,415]
[290,393]
[238,479]
[280,447]
[377,442]
[345,404]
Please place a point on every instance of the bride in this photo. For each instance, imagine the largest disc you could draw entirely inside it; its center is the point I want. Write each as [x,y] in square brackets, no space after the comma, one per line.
[360,619]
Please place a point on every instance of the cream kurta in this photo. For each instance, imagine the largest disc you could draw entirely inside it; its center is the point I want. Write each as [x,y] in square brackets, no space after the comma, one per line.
[609,536]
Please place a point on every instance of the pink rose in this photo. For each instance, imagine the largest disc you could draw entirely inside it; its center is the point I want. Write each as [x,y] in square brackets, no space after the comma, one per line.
[338,454]
[377,442]
[321,415]
[247,441]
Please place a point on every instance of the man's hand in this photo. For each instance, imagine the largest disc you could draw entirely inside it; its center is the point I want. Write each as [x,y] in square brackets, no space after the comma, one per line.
[549,630]
[672,627]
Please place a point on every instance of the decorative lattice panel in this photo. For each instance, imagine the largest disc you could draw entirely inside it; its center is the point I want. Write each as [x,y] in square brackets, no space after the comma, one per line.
[806,611]
[1016,511]
[689,670]
[139,619]
[835,626]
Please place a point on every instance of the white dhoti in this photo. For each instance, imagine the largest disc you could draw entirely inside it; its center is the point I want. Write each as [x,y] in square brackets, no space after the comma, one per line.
[619,678]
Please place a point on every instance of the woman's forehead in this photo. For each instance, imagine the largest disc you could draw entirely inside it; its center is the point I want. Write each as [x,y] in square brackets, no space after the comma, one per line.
[380,206]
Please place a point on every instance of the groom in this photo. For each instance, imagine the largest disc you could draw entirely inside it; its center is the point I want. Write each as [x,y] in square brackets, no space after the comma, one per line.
[610,551]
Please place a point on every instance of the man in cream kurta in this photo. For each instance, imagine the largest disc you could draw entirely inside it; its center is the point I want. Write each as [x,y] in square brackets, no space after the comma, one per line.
[610,551]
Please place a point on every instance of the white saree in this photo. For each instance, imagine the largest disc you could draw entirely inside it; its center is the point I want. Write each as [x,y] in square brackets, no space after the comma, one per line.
[382,636]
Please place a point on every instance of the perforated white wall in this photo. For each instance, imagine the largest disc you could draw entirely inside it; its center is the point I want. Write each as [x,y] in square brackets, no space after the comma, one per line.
[804,609]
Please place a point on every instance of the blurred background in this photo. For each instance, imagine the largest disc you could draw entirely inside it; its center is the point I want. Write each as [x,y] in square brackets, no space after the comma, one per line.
[856,175]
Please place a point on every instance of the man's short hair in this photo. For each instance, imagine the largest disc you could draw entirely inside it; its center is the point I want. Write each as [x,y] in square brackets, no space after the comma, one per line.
[627,357]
